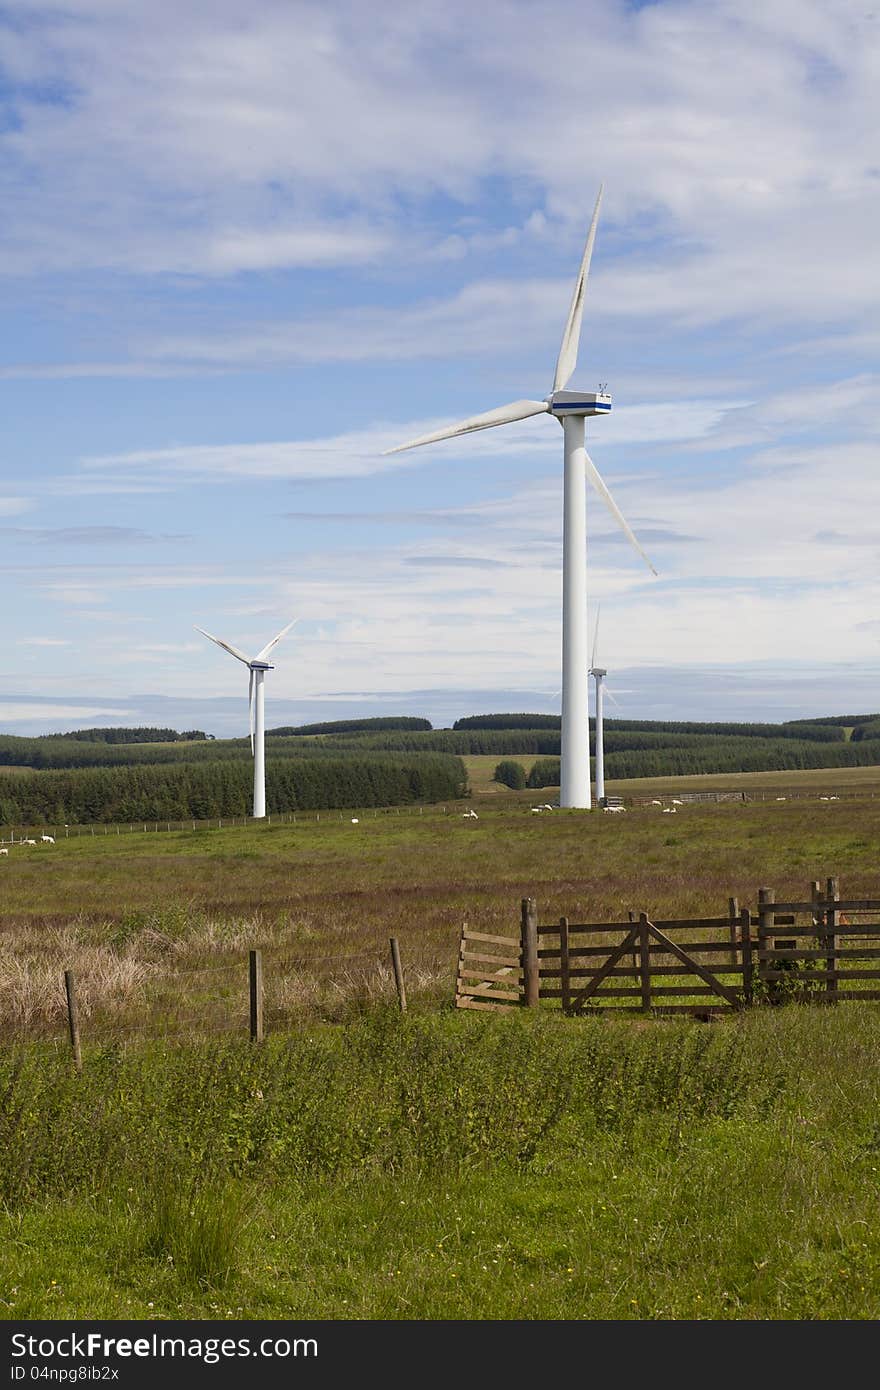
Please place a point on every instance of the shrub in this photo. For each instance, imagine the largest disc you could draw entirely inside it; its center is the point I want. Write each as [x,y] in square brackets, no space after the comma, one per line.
[544,773]
[511,774]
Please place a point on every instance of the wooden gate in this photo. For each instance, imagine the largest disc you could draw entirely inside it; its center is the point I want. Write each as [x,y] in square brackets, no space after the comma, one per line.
[697,966]
[489,972]
[824,950]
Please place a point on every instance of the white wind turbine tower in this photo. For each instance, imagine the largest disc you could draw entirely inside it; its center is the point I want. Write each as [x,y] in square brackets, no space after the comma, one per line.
[258,666]
[571,409]
[599,673]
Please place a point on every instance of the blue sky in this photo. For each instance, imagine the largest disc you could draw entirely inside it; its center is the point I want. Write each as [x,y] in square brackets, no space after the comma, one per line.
[244,249]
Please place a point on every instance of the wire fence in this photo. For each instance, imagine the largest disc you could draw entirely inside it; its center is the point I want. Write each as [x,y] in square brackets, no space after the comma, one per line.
[240,997]
[51,834]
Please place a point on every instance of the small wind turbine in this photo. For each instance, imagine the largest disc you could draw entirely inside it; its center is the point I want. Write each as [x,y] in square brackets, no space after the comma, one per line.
[258,666]
[571,409]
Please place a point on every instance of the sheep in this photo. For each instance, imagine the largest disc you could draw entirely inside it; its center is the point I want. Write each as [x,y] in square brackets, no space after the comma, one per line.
[47,839]
[614,809]
[27,842]
[656,803]
[469,815]
[4,851]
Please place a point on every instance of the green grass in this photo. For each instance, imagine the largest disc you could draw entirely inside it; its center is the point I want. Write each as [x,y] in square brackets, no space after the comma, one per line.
[454,1167]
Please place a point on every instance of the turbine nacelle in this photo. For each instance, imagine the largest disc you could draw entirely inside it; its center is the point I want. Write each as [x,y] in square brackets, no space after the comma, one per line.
[579,403]
[260,666]
[598,672]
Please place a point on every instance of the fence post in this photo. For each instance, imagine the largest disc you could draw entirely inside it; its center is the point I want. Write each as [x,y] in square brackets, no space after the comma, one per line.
[745,938]
[632,917]
[529,946]
[645,962]
[733,914]
[831,940]
[398,974]
[73,1019]
[766,922]
[255,973]
[564,969]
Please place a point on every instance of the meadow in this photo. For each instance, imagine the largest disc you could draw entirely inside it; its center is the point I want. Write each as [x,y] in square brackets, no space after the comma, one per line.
[364,1164]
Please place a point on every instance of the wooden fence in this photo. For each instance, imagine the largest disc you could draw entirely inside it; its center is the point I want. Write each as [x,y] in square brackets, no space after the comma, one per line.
[702,966]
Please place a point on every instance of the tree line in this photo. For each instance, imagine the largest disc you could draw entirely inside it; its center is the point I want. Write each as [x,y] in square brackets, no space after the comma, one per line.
[204,790]
[354,726]
[740,756]
[137,735]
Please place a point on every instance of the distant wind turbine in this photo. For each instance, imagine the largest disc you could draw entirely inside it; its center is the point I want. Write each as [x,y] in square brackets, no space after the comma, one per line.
[599,673]
[258,666]
[571,409]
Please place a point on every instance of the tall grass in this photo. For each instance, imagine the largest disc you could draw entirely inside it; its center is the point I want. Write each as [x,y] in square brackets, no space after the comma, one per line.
[451,1166]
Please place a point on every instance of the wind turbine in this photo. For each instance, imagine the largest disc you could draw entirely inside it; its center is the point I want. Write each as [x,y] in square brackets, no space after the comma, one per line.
[571,408]
[599,673]
[258,666]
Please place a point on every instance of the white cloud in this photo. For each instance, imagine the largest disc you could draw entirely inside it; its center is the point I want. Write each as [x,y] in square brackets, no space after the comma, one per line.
[186,139]
[360,453]
[39,712]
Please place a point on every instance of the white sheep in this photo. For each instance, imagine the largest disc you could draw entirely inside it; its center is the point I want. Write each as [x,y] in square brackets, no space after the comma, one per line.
[614,809]
[4,851]
[47,839]
[27,842]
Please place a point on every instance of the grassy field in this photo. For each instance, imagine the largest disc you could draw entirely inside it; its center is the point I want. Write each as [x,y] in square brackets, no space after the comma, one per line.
[438,1165]
[157,926]
[449,1166]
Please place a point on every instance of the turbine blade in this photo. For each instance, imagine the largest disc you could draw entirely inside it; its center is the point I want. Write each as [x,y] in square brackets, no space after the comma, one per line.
[261,655]
[502,415]
[598,482]
[612,697]
[251,709]
[568,352]
[233,651]
[595,638]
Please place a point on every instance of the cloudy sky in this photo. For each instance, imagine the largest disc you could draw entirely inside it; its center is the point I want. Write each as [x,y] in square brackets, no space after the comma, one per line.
[246,248]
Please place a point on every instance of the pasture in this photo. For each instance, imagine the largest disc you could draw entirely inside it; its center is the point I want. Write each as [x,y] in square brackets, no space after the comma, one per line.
[438,1165]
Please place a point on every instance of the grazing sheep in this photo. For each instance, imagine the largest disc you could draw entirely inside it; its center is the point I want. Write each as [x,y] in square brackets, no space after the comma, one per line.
[47,839]
[614,809]
[4,851]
